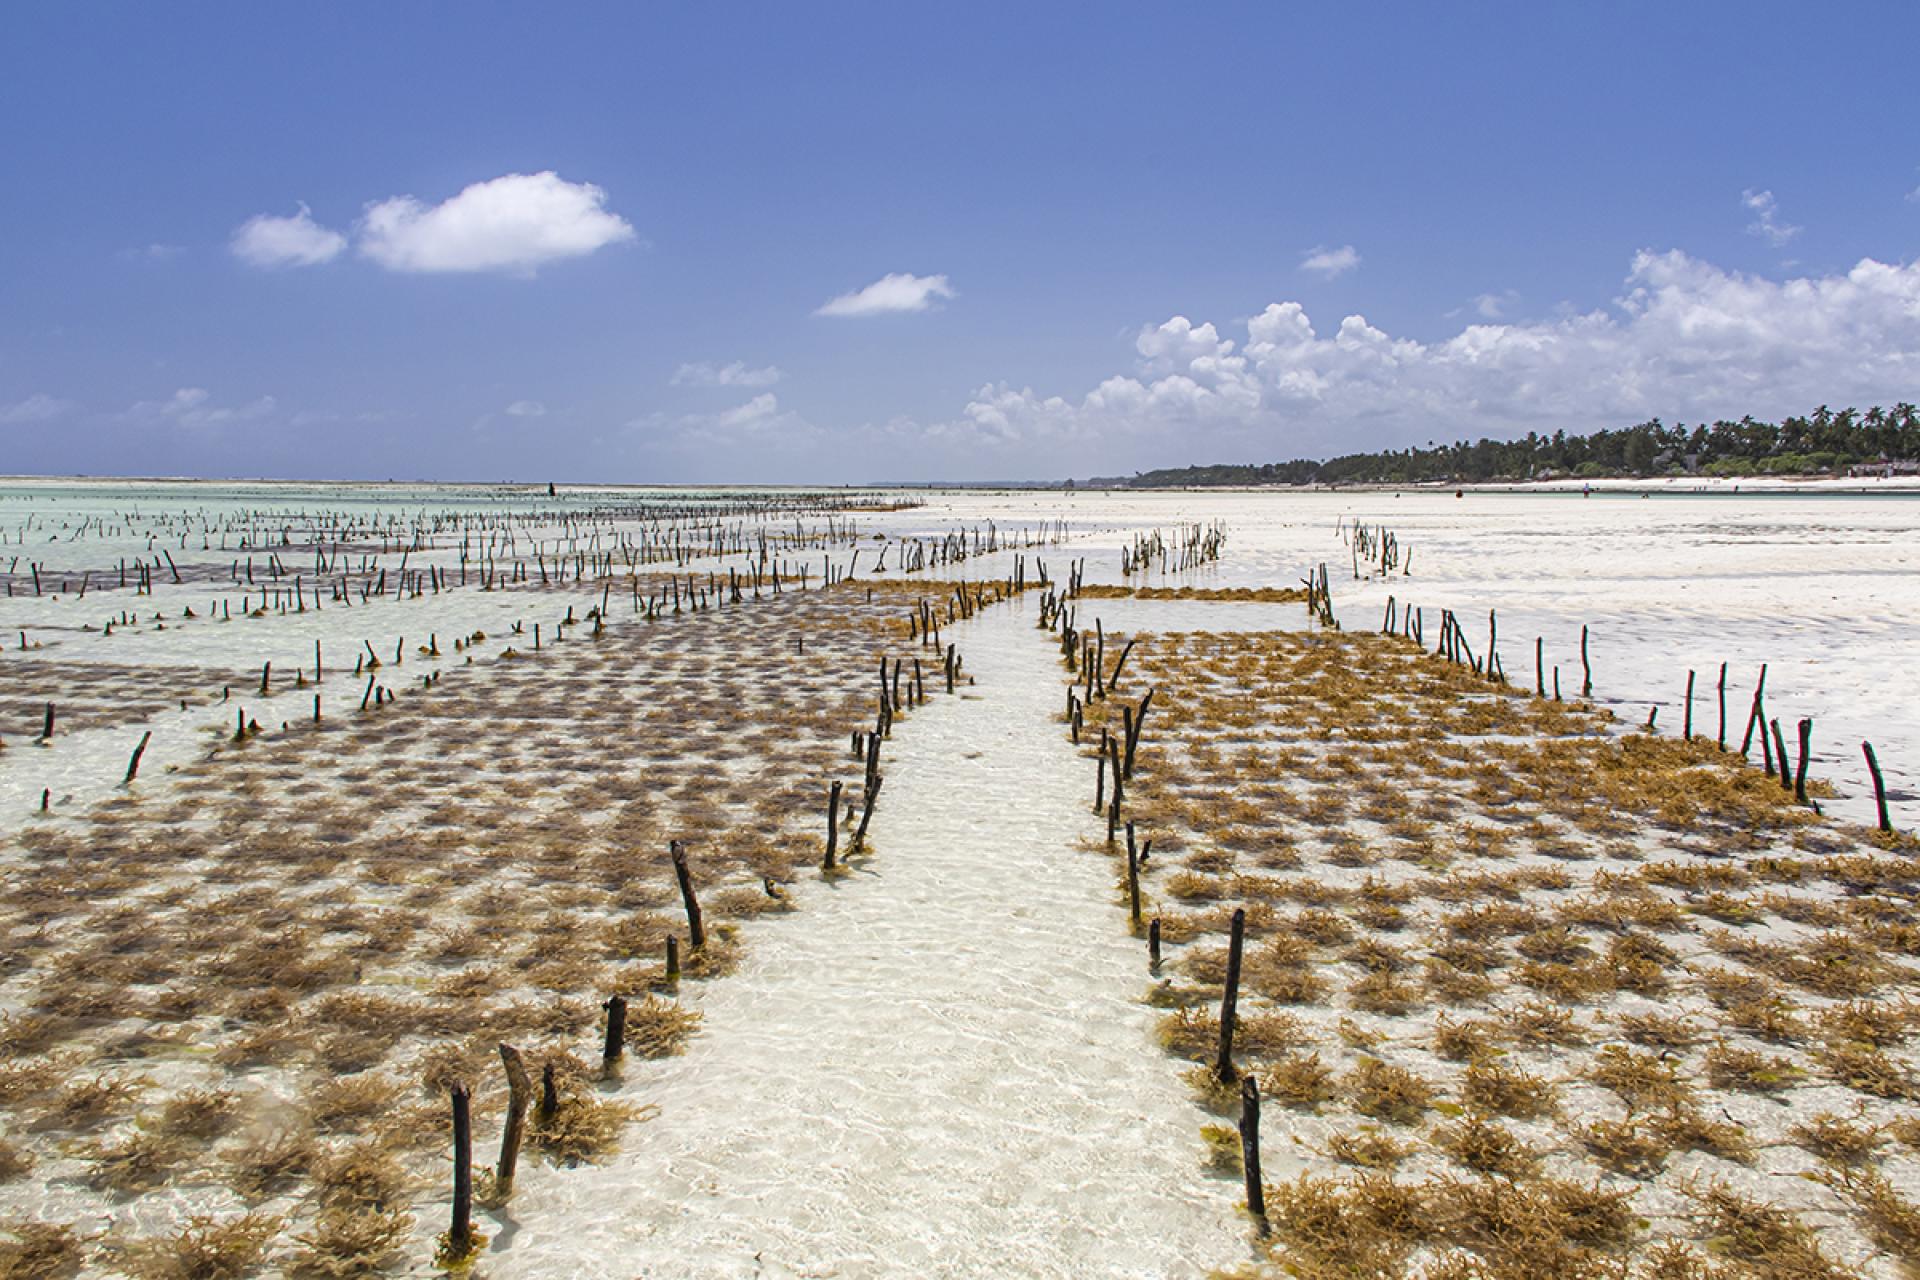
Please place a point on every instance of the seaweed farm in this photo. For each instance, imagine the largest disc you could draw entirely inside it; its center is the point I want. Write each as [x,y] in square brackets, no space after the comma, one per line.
[406,880]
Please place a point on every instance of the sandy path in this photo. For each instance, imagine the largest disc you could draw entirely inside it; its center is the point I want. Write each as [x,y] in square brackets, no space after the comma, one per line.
[939,1069]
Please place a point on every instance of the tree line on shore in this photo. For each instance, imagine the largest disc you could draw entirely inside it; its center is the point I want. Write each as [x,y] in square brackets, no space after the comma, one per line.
[1822,442]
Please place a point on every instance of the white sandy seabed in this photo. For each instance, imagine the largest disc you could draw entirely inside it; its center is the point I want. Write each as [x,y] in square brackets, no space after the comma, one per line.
[943,1070]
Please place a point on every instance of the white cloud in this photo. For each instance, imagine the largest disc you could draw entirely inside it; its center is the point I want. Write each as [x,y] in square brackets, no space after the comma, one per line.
[514,223]
[1329,263]
[1685,339]
[701,373]
[896,292]
[526,409]
[1766,223]
[759,409]
[1493,306]
[38,407]
[265,240]
[192,407]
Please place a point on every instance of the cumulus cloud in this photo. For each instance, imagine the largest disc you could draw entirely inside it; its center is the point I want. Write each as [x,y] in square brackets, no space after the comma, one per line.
[526,409]
[266,240]
[516,223]
[1328,263]
[1766,220]
[701,373]
[194,407]
[36,408]
[896,292]
[1683,339]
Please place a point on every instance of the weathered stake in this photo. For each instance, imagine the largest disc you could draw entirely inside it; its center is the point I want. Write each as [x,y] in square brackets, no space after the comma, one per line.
[1250,1151]
[696,931]
[1879,786]
[1230,1002]
[616,1045]
[133,765]
[519,1094]
[833,824]
[460,1232]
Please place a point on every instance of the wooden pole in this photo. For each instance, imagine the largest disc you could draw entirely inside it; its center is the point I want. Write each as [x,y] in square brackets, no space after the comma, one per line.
[1229,1003]
[1250,1150]
[616,1043]
[133,765]
[1133,878]
[1686,730]
[1586,668]
[460,1233]
[1153,945]
[1723,706]
[1879,786]
[1800,769]
[696,931]
[1780,749]
[519,1094]
[833,824]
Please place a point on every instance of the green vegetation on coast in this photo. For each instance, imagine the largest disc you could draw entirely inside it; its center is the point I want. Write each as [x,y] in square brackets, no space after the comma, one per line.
[1823,442]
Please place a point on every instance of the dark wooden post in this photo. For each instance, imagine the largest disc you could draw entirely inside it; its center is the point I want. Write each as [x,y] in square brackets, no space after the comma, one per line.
[133,765]
[1754,717]
[1153,945]
[1723,706]
[1686,728]
[1879,786]
[549,1094]
[46,728]
[673,958]
[696,931]
[833,824]
[1780,749]
[1586,668]
[1230,1002]
[1250,1150]
[1800,769]
[1133,878]
[1540,666]
[616,1044]
[460,1233]
[519,1094]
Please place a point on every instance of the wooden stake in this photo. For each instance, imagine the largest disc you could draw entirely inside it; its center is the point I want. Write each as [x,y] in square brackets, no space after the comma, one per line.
[833,824]
[616,1044]
[696,931]
[519,1095]
[1250,1150]
[460,1233]
[1800,769]
[1229,1003]
[1153,945]
[133,765]
[1586,668]
[1879,786]
[1133,878]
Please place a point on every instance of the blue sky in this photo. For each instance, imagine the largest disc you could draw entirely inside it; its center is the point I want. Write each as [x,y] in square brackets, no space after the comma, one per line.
[1119,236]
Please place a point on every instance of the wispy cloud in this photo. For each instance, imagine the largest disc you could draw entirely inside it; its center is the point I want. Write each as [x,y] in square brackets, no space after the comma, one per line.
[702,373]
[268,241]
[516,224]
[896,292]
[194,407]
[526,409]
[1766,221]
[1329,263]
[38,407]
